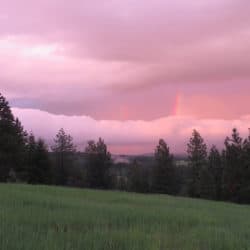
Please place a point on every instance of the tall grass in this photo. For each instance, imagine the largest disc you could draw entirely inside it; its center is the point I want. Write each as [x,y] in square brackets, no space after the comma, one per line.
[55,218]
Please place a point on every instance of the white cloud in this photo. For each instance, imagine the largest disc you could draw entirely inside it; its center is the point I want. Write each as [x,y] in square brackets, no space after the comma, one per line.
[176,130]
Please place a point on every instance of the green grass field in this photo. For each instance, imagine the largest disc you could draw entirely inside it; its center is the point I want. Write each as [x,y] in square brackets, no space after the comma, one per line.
[41,217]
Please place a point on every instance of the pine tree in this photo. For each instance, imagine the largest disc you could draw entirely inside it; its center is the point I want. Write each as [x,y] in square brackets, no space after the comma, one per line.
[30,159]
[244,192]
[43,163]
[98,164]
[138,178]
[164,174]
[12,142]
[197,156]
[63,149]
[215,168]
[233,164]
[38,170]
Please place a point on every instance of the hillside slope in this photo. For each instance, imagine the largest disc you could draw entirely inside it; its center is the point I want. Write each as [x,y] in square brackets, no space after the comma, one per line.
[55,218]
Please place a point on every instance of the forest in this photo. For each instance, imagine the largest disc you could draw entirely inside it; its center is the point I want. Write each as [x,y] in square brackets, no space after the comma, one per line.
[210,173]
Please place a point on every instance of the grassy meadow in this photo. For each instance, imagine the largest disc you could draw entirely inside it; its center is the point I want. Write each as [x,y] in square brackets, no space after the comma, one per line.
[55,218]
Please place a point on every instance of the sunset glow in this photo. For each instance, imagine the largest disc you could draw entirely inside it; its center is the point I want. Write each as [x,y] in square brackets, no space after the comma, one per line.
[129,71]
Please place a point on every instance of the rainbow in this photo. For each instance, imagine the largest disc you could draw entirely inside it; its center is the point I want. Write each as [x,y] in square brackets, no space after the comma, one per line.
[177,104]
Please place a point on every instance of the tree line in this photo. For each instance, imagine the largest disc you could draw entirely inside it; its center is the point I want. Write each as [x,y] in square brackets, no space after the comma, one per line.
[210,173]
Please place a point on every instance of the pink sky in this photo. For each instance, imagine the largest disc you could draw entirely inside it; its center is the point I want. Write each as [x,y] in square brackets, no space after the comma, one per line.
[129,71]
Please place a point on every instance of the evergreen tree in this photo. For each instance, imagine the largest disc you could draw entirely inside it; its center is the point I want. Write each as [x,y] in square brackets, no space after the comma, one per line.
[164,174]
[197,156]
[138,178]
[98,164]
[215,168]
[43,163]
[38,169]
[30,159]
[63,149]
[244,192]
[12,142]
[233,165]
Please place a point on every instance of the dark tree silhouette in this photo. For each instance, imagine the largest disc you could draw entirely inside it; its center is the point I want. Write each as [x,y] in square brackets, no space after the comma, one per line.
[197,156]
[215,169]
[12,142]
[164,173]
[43,163]
[244,192]
[138,178]
[98,164]
[30,158]
[38,169]
[234,166]
[63,149]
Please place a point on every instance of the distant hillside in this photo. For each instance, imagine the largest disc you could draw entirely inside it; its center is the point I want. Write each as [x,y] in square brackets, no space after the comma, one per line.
[146,159]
